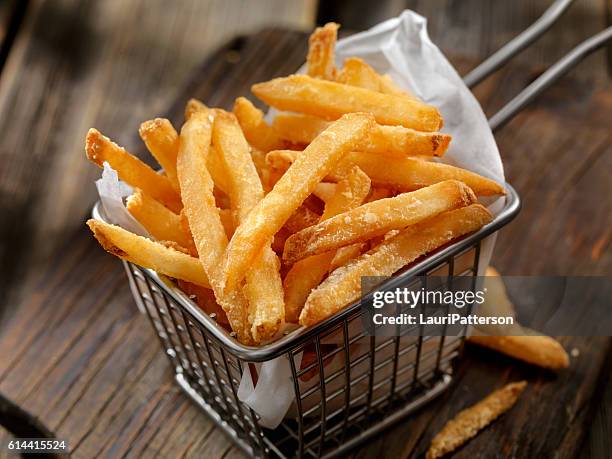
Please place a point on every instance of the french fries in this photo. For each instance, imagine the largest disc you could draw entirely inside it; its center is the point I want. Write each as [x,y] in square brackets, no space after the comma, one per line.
[410,174]
[396,141]
[290,191]
[470,421]
[543,351]
[263,289]
[100,149]
[331,100]
[377,218]
[308,273]
[406,174]
[158,220]
[356,72]
[345,185]
[203,217]
[256,130]
[321,52]
[302,218]
[147,253]
[343,286]
[161,139]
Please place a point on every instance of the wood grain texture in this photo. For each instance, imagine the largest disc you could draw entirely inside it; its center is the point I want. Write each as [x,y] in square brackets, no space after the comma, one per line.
[109,64]
[79,358]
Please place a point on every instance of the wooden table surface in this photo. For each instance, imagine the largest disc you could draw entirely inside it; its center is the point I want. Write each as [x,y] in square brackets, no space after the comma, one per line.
[80,363]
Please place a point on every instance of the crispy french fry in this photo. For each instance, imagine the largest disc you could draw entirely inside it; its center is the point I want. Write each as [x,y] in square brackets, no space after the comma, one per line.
[377,218]
[263,288]
[395,141]
[161,139]
[147,253]
[244,185]
[472,420]
[324,191]
[543,351]
[411,173]
[195,106]
[321,52]
[291,190]
[345,254]
[227,220]
[379,192]
[302,218]
[356,72]
[100,149]
[343,286]
[520,342]
[159,221]
[330,100]
[406,174]
[256,130]
[350,193]
[309,272]
[388,86]
[203,217]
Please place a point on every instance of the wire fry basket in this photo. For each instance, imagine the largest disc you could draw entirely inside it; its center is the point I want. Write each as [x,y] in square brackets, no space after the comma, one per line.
[348,386]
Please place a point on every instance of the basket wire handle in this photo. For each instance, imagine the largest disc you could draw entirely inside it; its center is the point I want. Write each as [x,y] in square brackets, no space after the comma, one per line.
[517,44]
[549,77]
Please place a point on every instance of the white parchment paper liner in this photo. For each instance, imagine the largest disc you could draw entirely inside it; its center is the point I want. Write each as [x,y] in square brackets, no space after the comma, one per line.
[401,48]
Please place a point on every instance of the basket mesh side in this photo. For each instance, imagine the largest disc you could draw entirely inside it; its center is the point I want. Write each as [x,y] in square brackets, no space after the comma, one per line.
[349,385]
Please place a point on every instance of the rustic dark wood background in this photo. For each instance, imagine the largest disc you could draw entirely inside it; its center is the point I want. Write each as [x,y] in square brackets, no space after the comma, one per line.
[76,359]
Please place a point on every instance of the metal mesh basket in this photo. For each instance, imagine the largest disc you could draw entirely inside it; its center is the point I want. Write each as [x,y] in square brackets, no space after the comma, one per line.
[348,386]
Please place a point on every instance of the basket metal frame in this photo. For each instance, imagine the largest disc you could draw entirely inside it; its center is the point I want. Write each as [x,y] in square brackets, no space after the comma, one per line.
[354,404]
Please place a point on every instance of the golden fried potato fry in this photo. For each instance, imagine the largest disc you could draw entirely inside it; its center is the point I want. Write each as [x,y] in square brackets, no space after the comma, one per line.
[377,218]
[263,288]
[405,174]
[345,254]
[291,190]
[203,217]
[408,174]
[343,286]
[356,72]
[302,218]
[324,191]
[147,253]
[245,189]
[131,170]
[259,133]
[388,86]
[330,100]
[395,141]
[227,220]
[161,140]
[472,420]
[196,106]
[158,220]
[306,274]
[321,52]
[543,351]
[379,192]
[350,193]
